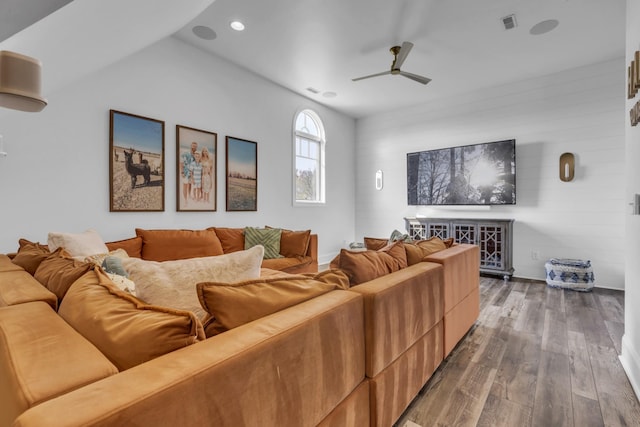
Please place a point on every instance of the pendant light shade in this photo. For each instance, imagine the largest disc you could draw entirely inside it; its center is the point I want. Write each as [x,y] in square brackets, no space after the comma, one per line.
[20,82]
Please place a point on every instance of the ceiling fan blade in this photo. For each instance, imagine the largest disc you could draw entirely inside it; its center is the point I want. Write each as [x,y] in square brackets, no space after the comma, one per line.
[402,54]
[384,73]
[419,79]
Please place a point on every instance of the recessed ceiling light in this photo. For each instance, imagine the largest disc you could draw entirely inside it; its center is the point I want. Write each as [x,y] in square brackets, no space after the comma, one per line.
[237,25]
[204,33]
[543,27]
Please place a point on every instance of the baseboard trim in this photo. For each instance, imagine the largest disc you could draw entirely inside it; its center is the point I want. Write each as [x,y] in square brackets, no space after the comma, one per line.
[630,361]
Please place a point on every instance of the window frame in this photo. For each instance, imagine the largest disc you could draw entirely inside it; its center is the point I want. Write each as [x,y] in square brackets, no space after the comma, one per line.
[321,154]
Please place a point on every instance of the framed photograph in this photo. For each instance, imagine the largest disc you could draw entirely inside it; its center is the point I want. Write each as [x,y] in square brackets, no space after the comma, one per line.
[196,156]
[242,174]
[136,163]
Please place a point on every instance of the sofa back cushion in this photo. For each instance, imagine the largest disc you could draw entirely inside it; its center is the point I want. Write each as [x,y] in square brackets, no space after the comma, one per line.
[294,244]
[77,245]
[167,245]
[30,255]
[232,239]
[232,305]
[173,283]
[132,246]
[126,330]
[58,272]
[269,238]
[362,266]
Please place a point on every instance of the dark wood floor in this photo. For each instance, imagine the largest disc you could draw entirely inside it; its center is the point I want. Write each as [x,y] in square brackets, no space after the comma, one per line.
[537,356]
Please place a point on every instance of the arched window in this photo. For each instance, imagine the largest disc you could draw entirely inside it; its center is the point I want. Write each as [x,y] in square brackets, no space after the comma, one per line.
[309,144]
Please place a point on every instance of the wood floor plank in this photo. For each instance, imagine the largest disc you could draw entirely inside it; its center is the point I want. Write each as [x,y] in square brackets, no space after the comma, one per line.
[531,317]
[554,335]
[555,299]
[610,308]
[500,412]
[582,382]
[468,399]
[553,405]
[518,369]
[513,304]
[616,331]
[536,291]
[586,412]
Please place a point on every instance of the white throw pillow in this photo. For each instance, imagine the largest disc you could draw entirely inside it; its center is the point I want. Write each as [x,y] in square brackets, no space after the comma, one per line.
[78,245]
[173,283]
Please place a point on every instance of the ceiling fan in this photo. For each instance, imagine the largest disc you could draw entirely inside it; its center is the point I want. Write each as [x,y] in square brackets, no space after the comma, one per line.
[399,55]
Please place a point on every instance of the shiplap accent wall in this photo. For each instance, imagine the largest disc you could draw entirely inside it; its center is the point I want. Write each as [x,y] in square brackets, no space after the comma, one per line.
[579,110]
[56,177]
[630,357]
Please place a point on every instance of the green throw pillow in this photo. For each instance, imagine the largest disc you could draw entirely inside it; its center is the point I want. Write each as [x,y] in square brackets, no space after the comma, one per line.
[267,237]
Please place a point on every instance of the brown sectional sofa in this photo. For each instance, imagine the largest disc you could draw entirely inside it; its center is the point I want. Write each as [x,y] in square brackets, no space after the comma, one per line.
[346,358]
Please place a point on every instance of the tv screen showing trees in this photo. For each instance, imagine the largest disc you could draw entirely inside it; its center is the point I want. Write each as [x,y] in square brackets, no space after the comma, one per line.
[480,174]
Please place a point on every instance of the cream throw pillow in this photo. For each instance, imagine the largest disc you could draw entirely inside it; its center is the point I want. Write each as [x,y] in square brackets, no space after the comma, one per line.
[173,283]
[78,245]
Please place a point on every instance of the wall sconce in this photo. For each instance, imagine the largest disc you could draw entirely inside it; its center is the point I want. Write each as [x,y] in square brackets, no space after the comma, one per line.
[567,167]
[379,182]
[20,82]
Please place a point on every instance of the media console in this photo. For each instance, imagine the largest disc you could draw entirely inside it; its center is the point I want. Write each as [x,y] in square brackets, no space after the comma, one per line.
[494,236]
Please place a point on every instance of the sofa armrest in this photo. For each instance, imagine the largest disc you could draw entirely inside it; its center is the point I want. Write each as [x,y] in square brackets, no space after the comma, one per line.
[461,272]
[312,252]
[289,368]
[399,309]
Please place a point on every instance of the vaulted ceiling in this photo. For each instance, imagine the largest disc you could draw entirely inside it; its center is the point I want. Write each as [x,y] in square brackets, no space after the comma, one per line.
[322,44]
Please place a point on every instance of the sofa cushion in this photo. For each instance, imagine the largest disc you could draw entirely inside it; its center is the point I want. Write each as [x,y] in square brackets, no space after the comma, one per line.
[232,305]
[19,287]
[232,239]
[30,255]
[286,264]
[362,266]
[267,237]
[133,246]
[418,250]
[126,330]
[167,245]
[41,358]
[294,243]
[58,272]
[173,283]
[375,244]
[335,276]
[78,245]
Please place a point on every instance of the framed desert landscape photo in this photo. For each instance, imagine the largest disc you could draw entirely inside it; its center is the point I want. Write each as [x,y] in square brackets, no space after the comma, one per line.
[242,174]
[136,163]
[196,168]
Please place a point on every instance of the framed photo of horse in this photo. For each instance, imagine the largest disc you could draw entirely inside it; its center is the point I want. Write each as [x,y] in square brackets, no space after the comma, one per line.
[242,174]
[136,163]
[196,155]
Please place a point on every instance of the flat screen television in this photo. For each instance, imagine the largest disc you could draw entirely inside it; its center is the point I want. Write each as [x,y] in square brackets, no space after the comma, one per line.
[479,174]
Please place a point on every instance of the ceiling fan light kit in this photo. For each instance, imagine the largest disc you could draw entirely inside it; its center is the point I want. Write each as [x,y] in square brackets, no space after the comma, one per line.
[400,54]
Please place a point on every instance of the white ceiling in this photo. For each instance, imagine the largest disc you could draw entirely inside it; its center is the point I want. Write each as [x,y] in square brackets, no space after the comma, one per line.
[323,44]
[460,44]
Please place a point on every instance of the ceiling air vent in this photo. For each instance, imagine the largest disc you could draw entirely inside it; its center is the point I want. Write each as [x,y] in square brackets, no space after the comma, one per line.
[313,90]
[509,22]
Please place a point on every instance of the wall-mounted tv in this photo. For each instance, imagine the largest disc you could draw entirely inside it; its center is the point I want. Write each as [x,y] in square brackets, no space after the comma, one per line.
[479,174]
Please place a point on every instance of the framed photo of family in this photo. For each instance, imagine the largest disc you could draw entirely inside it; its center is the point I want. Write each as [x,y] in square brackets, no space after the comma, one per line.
[136,163]
[241,174]
[196,157]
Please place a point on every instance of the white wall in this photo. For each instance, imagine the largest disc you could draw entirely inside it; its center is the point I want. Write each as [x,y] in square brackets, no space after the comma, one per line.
[631,340]
[579,111]
[56,176]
